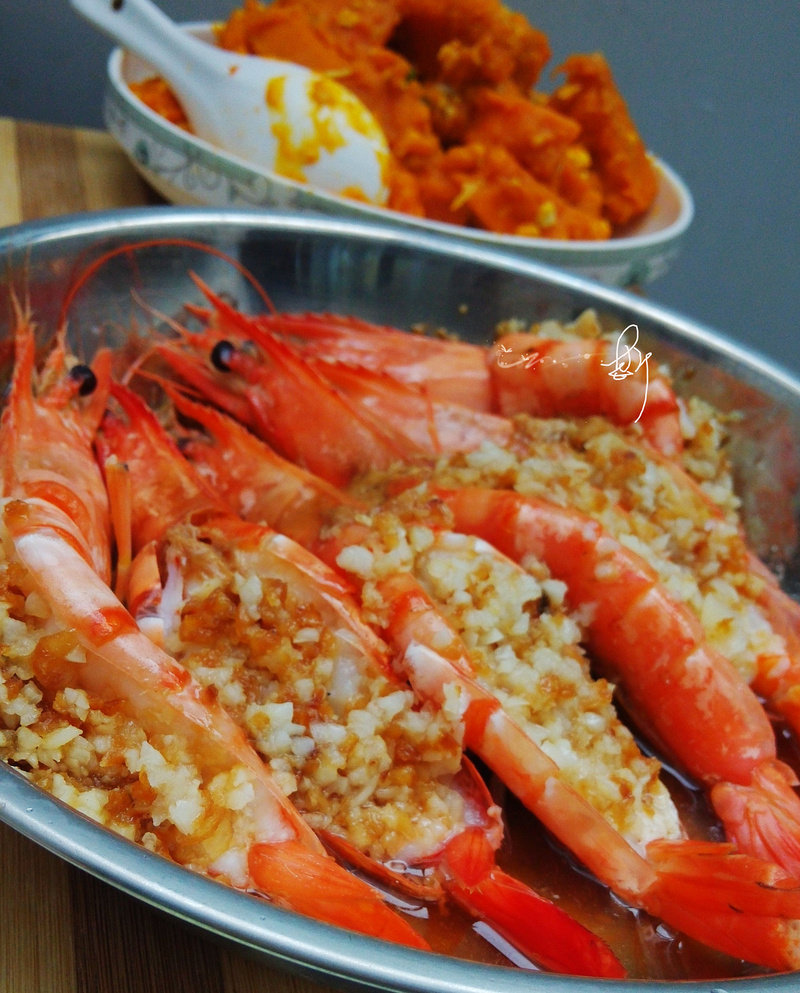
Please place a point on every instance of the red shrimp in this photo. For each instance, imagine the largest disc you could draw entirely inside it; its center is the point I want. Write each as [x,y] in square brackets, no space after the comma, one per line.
[670,881]
[750,741]
[648,642]
[271,392]
[747,612]
[521,372]
[49,421]
[694,886]
[209,552]
[54,535]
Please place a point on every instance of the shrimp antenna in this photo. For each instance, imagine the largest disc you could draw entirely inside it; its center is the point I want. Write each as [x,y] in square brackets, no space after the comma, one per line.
[129,249]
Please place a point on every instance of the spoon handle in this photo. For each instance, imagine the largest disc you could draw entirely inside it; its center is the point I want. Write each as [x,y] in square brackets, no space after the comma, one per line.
[142,27]
[276,114]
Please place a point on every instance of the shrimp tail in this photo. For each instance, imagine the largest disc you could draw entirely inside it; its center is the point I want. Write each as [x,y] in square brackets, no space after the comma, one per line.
[297,878]
[533,924]
[749,906]
[466,871]
[763,816]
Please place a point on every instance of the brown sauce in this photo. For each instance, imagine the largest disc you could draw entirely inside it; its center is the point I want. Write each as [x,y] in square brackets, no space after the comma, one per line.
[647,948]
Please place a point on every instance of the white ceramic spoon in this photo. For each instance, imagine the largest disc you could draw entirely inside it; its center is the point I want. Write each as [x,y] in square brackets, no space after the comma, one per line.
[278,115]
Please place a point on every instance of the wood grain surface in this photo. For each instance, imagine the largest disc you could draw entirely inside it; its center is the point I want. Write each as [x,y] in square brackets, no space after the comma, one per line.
[62,931]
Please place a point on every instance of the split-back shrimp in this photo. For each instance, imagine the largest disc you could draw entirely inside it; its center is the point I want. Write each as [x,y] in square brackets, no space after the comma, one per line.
[747,757]
[280,639]
[434,660]
[249,474]
[359,424]
[102,716]
[697,549]
[386,422]
[522,372]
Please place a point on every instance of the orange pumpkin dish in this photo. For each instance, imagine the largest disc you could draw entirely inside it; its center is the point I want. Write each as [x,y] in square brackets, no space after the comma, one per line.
[473,141]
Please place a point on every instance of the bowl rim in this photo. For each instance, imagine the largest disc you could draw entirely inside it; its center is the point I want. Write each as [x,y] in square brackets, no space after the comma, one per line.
[608,250]
[304,945]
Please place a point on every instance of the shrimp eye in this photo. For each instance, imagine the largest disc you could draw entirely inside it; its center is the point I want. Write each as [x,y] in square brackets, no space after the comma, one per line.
[85,378]
[221,355]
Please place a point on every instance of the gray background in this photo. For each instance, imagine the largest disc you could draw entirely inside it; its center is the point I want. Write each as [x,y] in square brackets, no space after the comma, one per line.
[712,84]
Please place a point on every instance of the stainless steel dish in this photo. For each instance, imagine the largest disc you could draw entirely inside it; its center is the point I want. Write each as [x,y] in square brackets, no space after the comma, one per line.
[402,278]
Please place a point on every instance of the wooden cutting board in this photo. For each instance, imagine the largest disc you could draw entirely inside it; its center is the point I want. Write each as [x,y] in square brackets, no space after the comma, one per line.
[62,931]
[49,170]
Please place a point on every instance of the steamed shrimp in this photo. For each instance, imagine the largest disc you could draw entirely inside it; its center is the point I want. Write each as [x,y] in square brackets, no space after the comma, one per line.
[696,547]
[747,758]
[277,636]
[100,716]
[430,506]
[534,371]
[389,423]
[607,801]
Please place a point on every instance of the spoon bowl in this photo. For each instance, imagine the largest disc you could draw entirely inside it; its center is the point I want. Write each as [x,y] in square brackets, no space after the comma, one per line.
[279,116]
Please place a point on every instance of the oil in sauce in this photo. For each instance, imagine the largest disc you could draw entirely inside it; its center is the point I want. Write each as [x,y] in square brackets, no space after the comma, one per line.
[647,948]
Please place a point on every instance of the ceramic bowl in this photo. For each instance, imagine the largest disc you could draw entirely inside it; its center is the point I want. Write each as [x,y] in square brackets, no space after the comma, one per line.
[188,171]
